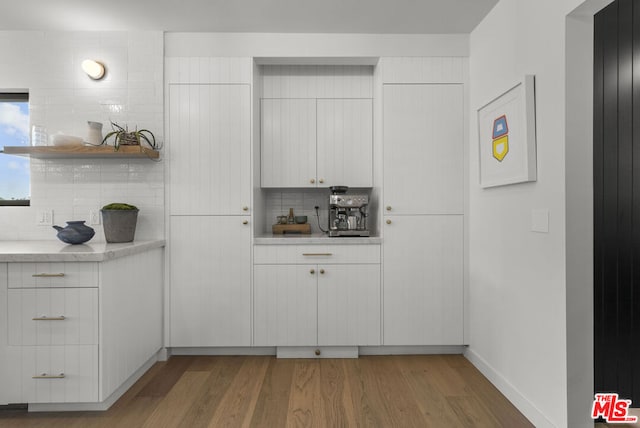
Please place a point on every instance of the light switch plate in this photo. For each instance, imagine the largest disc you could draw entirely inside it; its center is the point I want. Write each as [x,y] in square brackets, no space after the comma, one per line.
[44,217]
[540,221]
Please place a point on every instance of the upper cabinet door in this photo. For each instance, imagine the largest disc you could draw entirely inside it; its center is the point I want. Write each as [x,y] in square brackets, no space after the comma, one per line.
[423,149]
[288,136]
[209,147]
[345,142]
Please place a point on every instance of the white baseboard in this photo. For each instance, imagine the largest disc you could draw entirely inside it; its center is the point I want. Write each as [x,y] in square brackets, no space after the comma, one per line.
[526,407]
[222,351]
[103,405]
[412,350]
[310,351]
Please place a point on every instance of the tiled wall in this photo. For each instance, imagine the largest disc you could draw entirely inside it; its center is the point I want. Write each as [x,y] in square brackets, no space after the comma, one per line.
[278,202]
[63,98]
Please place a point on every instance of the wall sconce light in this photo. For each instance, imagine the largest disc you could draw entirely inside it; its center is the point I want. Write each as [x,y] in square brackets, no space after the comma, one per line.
[94,69]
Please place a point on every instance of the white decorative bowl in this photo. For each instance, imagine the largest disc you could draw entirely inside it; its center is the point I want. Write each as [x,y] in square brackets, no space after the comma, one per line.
[65,140]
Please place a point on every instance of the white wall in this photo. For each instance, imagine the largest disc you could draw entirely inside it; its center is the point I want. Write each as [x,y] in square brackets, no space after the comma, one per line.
[63,98]
[314,45]
[519,307]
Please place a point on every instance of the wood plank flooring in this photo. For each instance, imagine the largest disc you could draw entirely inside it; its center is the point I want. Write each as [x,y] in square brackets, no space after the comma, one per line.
[247,391]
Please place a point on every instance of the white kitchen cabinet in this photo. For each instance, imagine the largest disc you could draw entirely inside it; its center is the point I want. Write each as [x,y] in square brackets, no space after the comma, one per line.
[332,302]
[316,143]
[285,305]
[423,280]
[75,332]
[288,142]
[209,149]
[345,142]
[210,281]
[423,132]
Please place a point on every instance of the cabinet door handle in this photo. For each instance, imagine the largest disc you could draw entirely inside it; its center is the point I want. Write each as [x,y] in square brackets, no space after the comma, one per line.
[312,271]
[313,180]
[47,376]
[321,180]
[317,254]
[245,222]
[245,208]
[321,271]
[47,275]
[46,318]
[388,221]
[388,207]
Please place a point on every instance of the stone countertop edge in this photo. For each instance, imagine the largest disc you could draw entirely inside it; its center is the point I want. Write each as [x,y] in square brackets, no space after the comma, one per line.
[55,251]
[315,238]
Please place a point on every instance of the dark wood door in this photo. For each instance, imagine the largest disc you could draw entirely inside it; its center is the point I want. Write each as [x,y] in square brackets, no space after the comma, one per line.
[616,170]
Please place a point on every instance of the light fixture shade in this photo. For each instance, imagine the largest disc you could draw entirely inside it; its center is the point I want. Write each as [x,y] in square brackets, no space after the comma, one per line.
[94,69]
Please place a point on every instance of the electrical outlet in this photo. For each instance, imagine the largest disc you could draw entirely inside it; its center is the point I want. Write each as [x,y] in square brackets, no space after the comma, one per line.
[44,217]
[94,217]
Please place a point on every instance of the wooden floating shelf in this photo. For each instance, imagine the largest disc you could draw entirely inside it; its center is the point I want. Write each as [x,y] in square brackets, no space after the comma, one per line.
[81,152]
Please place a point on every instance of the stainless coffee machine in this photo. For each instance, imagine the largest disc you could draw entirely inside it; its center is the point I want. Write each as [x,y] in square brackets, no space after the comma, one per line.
[347,213]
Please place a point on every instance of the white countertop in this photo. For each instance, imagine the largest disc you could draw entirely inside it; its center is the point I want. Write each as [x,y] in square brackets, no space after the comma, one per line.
[314,238]
[57,251]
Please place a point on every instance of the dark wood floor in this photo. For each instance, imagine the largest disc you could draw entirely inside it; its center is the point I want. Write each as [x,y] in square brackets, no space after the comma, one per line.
[371,391]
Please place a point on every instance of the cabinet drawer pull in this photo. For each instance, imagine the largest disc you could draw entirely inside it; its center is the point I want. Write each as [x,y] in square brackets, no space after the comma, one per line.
[47,275]
[46,318]
[312,271]
[313,180]
[245,208]
[317,254]
[245,222]
[46,376]
[321,271]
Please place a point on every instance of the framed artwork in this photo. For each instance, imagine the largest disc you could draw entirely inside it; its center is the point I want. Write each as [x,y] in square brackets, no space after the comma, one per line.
[507,136]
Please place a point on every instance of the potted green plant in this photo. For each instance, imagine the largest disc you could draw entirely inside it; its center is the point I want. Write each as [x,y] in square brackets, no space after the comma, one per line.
[123,137]
[119,221]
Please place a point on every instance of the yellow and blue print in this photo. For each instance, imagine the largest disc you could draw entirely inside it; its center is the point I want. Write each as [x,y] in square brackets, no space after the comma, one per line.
[500,138]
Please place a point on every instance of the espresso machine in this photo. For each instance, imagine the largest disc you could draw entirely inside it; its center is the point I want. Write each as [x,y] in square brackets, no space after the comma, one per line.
[347,213]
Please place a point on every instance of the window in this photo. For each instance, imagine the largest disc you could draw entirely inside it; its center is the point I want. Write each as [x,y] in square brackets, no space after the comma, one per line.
[15,180]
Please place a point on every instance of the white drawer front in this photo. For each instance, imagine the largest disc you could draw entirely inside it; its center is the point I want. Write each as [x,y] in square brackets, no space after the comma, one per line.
[310,254]
[53,316]
[48,275]
[55,374]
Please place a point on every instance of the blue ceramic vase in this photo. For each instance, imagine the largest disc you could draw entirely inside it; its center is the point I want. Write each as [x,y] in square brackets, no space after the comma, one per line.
[76,232]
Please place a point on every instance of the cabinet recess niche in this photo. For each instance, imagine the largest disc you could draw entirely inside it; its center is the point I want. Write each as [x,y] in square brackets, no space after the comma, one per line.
[316,126]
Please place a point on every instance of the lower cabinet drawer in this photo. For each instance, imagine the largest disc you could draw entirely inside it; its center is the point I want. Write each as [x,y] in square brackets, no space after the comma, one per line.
[53,316]
[54,274]
[55,374]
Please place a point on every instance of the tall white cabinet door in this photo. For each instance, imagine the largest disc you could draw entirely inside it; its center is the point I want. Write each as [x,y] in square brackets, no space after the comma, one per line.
[345,142]
[285,305]
[209,149]
[288,137]
[210,281]
[423,148]
[349,305]
[423,280]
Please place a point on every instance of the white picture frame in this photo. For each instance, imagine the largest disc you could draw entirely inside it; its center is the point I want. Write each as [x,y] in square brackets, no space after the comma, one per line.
[507,136]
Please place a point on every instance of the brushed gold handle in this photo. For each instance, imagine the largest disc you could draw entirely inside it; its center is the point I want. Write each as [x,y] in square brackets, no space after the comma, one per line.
[47,275]
[321,271]
[317,254]
[388,221]
[245,222]
[46,318]
[245,208]
[388,207]
[318,352]
[312,271]
[313,180]
[321,180]
[46,376]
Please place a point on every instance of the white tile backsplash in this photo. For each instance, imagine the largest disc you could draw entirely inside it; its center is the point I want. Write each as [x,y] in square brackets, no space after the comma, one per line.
[63,98]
